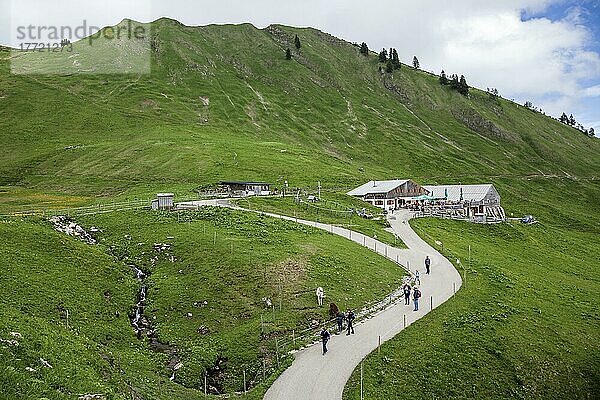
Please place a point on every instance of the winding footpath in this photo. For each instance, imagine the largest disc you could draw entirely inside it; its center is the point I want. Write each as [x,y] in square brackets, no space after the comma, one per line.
[314,376]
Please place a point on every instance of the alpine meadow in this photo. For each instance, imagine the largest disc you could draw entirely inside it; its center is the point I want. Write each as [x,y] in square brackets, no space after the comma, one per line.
[224,296]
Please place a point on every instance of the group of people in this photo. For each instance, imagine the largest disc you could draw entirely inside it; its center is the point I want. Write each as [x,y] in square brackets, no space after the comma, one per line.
[349,317]
[340,318]
[416,295]
[413,289]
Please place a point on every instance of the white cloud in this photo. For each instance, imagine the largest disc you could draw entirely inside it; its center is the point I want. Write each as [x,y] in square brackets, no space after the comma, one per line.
[592,91]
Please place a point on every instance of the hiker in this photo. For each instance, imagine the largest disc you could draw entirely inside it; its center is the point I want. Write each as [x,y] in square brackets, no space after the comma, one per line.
[325,335]
[406,289]
[416,297]
[417,278]
[320,295]
[340,317]
[350,318]
[427,264]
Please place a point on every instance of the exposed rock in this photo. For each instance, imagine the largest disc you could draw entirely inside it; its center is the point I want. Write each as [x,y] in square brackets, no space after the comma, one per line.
[66,225]
[92,397]
[473,120]
[203,330]
[267,301]
[16,335]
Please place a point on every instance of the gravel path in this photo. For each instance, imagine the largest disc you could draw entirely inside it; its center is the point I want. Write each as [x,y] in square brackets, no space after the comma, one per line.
[314,376]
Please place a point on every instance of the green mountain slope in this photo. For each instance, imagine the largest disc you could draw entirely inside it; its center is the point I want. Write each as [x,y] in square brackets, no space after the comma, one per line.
[222,102]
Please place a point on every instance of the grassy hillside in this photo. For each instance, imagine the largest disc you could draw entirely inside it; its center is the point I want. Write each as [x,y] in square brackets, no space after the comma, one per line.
[206,303]
[222,102]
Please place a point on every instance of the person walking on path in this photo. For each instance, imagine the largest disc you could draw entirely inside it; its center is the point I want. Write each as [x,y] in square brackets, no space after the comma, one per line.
[417,277]
[427,264]
[406,290]
[350,318]
[320,295]
[325,335]
[340,317]
[416,297]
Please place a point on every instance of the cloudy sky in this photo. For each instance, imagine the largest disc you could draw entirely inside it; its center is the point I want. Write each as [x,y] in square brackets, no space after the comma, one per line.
[545,51]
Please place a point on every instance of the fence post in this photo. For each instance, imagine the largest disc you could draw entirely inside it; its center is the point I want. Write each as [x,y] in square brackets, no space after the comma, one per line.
[404,321]
[361,381]
[378,344]
[277,351]
[245,382]
[431,303]
[454,287]
[205,385]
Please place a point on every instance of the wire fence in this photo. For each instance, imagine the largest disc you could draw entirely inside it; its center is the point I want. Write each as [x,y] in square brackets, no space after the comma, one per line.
[99,208]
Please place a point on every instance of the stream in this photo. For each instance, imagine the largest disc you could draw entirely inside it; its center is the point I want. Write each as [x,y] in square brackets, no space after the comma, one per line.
[141,325]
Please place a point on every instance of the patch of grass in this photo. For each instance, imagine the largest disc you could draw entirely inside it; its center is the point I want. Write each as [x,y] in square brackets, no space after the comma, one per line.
[334,208]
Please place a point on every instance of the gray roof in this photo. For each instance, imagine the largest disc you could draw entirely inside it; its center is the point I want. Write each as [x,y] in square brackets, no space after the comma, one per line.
[469,192]
[377,187]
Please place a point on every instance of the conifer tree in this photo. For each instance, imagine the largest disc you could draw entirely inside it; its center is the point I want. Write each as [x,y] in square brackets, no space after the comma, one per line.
[297,42]
[416,62]
[572,121]
[564,119]
[383,56]
[443,78]
[454,82]
[364,49]
[396,60]
[463,88]
[288,54]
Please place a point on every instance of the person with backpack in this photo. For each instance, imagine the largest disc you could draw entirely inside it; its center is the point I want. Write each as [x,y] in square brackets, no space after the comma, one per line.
[406,290]
[340,317]
[350,318]
[416,297]
[325,336]
[427,264]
